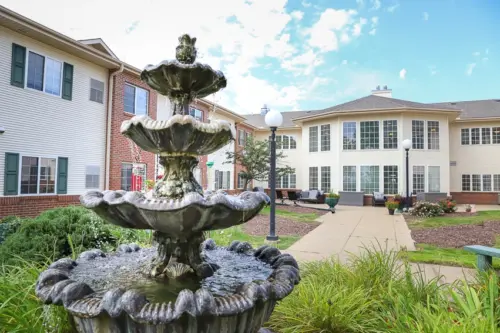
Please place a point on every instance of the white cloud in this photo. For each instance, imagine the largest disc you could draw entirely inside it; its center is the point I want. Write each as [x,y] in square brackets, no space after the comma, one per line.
[360,3]
[344,62]
[432,70]
[425,16]
[402,74]
[344,37]
[487,51]
[356,30]
[477,53]
[376,4]
[303,64]
[306,4]
[392,8]
[297,15]
[374,24]
[323,34]
[470,69]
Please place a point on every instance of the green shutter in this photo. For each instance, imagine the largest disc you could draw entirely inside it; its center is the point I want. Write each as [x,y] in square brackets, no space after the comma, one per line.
[11,179]
[18,65]
[62,175]
[67,88]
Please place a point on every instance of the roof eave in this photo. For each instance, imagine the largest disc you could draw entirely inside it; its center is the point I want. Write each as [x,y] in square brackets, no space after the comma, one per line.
[477,119]
[229,113]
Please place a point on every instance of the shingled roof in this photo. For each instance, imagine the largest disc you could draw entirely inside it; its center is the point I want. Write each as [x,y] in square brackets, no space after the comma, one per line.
[470,109]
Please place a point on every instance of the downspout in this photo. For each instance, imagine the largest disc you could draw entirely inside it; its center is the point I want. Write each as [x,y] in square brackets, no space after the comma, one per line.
[109,121]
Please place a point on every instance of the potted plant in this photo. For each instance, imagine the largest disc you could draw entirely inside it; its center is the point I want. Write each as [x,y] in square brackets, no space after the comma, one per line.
[392,206]
[468,208]
[331,199]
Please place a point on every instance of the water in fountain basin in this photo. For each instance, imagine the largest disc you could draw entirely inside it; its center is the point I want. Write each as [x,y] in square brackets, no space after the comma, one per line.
[125,270]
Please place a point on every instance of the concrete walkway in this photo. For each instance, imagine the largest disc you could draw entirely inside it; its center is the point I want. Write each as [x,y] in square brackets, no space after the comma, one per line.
[351,229]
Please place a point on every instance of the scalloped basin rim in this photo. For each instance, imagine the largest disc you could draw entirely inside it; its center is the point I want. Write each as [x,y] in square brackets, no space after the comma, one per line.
[215,126]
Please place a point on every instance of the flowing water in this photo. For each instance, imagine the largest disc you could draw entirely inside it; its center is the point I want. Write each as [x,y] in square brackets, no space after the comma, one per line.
[126,270]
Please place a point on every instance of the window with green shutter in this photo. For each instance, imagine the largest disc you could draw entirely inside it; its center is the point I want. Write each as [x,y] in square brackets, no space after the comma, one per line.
[11,179]
[62,175]
[67,88]
[18,65]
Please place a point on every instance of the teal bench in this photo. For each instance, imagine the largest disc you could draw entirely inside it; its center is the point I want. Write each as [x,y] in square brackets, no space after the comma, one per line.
[484,254]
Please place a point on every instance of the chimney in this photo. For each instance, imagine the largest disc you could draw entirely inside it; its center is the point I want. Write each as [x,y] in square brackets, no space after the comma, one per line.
[385,92]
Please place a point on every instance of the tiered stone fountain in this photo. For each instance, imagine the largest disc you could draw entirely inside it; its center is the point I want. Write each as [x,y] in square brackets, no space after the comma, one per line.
[184,283]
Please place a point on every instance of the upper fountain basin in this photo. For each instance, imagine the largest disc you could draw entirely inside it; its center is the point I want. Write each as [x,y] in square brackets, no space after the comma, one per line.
[179,134]
[179,218]
[181,82]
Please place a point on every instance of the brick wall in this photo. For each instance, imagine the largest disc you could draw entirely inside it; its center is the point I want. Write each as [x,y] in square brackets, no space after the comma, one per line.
[239,167]
[202,160]
[477,198]
[31,206]
[120,146]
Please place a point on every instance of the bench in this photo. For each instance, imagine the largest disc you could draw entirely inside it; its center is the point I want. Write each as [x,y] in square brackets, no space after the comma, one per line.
[484,254]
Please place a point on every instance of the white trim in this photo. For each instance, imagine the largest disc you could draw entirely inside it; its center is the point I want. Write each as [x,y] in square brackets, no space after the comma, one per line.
[26,69]
[356,177]
[356,125]
[379,135]
[425,134]
[397,134]
[20,169]
[379,176]
[103,90]
[480,136]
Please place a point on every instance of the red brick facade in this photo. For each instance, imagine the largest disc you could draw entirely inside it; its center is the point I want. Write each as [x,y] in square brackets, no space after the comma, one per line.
[478,198]
[120,146]
[237,147]
[31,206]
[202,164]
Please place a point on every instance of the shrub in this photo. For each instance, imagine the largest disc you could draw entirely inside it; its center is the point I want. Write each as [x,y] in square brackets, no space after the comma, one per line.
[47,236]
[8,226]
[448,206]
[427,209]
[392,204]
[332,194]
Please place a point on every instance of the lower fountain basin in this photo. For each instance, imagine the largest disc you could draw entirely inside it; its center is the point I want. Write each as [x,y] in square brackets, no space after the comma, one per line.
[180,218]
[107,293]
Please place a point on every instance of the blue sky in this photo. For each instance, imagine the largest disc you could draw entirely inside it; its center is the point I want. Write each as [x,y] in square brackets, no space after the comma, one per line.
[303,54]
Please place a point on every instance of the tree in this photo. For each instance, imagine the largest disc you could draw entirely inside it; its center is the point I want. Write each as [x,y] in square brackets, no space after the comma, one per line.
[255,159]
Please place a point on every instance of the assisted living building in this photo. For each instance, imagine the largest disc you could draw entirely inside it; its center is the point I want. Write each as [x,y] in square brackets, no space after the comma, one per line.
[62,102]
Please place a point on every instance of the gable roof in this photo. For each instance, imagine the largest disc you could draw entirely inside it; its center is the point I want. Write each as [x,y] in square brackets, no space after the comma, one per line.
[98,44]
[488,108]
[257,120]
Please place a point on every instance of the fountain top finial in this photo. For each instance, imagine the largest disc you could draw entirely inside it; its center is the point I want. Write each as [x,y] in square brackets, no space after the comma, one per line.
[186,51]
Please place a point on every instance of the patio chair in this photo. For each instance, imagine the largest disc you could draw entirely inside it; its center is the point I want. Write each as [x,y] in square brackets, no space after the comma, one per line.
[279,196]
[258,189]
[378,198]
[313,196]
[293,196]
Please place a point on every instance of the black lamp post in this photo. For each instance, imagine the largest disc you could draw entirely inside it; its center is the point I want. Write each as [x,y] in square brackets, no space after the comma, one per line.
[407,146]
[273,119]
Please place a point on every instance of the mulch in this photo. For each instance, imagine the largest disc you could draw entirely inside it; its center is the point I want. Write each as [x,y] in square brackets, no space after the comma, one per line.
[413,219]
[458,236]
[259,225]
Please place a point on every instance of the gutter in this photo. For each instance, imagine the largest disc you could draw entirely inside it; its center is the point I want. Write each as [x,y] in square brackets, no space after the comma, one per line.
[109,114]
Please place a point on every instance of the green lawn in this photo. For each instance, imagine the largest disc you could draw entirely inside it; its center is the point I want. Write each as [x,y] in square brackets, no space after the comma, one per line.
[302,217]
[226,236]
[450,256]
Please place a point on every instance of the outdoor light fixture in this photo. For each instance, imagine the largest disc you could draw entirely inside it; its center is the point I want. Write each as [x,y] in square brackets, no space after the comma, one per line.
[406,147]
[273,119]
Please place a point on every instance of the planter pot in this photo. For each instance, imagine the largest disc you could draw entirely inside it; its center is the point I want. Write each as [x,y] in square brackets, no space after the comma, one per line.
[391,211]
[331,202]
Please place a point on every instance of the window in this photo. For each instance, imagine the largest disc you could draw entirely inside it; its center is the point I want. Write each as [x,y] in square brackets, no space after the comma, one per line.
[433,135]
[92,173]
[496,183]
[465,182]
[313,178]
[434,179]
[44,74]
[313,139]
[349,178]
[496,135]
[293,180]
[417,134]
[38,175]
[390,179]
[285,142]
[133,176]
[418,179]
[135,100]
[475,137]
[349,135]
[476,182]
[325,137]
[287,181]
[487,183]
[241,138]
[96,91]
[196,114]
[486,135]
[465,136]
[293,142]
[241,181]
[370,175]
[369,133]
[325,179]
[390,134]
[279,141]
